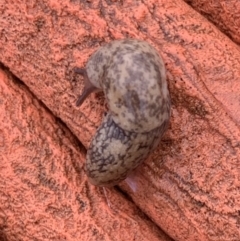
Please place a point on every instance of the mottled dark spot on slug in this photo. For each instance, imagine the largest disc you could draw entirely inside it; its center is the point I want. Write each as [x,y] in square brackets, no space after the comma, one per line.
[150,55]
[142,61]
[159,76]
[153,109]
[98,58]
[115,68]
[132,100]
[120,59]
[134,75]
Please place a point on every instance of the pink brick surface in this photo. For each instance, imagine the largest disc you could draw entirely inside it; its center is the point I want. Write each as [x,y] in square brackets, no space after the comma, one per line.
[189,186]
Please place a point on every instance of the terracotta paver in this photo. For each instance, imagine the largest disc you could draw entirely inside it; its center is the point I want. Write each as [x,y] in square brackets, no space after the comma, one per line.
[44,194]
[190,185]
[224,14]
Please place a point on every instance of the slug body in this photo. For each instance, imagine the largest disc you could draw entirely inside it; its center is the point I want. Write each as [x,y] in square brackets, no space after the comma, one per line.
[132,76]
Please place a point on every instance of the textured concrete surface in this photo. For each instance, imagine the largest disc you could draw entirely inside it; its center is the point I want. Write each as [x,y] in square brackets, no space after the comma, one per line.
[224,14]
[189,186]
[44,194]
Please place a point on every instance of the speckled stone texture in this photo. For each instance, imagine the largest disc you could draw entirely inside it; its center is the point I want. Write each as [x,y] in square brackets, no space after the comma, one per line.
[189,186]
[44,194]
[223,13]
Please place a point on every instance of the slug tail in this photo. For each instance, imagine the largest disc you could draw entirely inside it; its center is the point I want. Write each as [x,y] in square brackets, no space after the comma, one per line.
[131,183]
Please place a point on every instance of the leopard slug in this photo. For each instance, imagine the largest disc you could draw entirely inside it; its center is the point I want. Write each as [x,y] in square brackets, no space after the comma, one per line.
[132,76]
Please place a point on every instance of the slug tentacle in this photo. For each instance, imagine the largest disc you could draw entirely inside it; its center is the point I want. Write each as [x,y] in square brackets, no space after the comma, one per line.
[132,76]
[78,70]
[88,86]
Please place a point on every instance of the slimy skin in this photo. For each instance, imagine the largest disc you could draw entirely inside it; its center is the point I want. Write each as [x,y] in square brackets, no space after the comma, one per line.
[132,76]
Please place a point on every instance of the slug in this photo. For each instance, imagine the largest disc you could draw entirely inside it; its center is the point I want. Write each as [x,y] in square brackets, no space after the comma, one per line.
[132,76]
